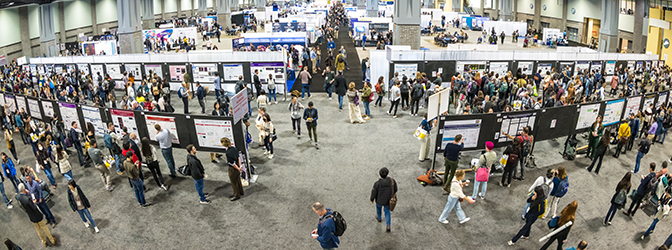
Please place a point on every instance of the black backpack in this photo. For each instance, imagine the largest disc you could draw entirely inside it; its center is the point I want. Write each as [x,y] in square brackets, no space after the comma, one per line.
[646,147]
[339,222]
[527,146]
[184,170]
[340,59]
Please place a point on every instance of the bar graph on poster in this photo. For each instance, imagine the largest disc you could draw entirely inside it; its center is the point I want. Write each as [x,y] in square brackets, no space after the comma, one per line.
[165,122]
[210,132]
[613,112]
[469,129]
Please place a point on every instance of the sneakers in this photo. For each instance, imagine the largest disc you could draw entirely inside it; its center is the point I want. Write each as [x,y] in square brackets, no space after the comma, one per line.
[214,161]
[465,220]
[270,156]
[642,237]
[86,224]
[443,221]
[10,206]
[266,152]
[394,116]
[367,118]
[95,229]
[524,237]
[164,187]
[146,205]
[317,146]
[388,112]
[510,243]
[205,202]
[609,223]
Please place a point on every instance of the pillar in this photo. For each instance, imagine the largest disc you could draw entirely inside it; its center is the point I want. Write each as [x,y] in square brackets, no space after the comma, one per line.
[407,23]
[61,23]
[192,12]
[202,8]
[130,29]
[457,6]
[94,18]
[163,10]
[608,41]
[537,14]
[261,5]
[47,35]
[565,3]
[506,12]
[372,8]
[214,5]
[361,4]
[639,32]
[179,8]
[224,13]
[147,14]
[24,27]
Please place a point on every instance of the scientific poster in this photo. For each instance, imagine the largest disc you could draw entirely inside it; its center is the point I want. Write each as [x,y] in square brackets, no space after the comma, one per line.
[631,65]
[154,68]
[613,112]
[2,99]
[232,72]
[544,67]
[406,69]
[609,68]
[587,115]
[596,66]
[48,109]
[564,65]
[92,115]
[204,73]
[275,69]
[463,66]
[114,70]
[34,107]
[70,68]
[632,106]
[581,66]
[95,70]
[134,69]
[499,68]
[239,105]
[21,103]
[469,129]
[10,102]
[69,115]
[648,101]
[514,124]
[662,98]
[177,73]
[58,69]
[123,118]
[209,132]
[165,122]
[526,67]
[83,67]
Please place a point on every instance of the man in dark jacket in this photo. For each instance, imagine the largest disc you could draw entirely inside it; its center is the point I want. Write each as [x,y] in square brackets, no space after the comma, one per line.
[383,190]
[197,172]
[132,171]
[643,189]
[416,94]
[326,227]
[74,136]
[310,115]
[257,82]
[200,94]
[235,168]
[35,215]
[340,87]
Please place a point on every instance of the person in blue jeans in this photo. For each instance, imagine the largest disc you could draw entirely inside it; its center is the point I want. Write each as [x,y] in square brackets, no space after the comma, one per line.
[38,198]
[383,190]
[663,209]
[668,242]
[9,170]
[326,227]
[42,160]
[132,171]
[271,89]
[197,172]
[8,202]
[80,204]
[454,199]
[623,187]
[364,42]
[329,79]
[644,146]
[305,77]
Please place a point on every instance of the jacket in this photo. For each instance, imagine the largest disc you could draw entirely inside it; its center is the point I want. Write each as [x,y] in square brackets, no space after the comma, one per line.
[131,170]
[366,94]
[295,110]
[82,197]
[556,186]
[644,185]
[196,167]
[382,191]
[340,85]
[8,168]
[200,92]
[417,91]
[325,230]
[310,113]
[30,208]
[624,130]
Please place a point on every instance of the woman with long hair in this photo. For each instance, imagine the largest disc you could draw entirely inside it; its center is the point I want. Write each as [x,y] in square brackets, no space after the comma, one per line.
[268,135]
[594,134]
[537,208]
[567,215]
[620,197]
[63,163]
[355,113]
[152,161]
[80,204]
[558,189]
[513,151]
[600,151]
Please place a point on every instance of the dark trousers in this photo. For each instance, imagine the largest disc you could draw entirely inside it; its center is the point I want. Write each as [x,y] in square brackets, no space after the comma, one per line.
[631,142]
[395,105]
[185,101]
[415,102]
[202,103]
[598,159]
[268,144]
[451,168]
[618,149]
[404,100]
[24,137]
[312,130]
[13,149]
[560,237]
[635,204]
[508,173]
[525,231]
[610,214]
[156,172]
[46,211]
[234,177]
[296,125]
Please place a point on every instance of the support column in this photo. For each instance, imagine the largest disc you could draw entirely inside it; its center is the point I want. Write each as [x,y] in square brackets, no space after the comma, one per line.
[47,35]
[639,32]
[202,7]
[506,12]
[361,4]
[163,10]
[24,27]
[407,23]
[94,18]
[192,11]
[179,8]
[214,5]
[537,14]
[130,31]
[457,6]
[147,14]
[372,8]
[608,41]
[565,3]
[61,24]
[261,5]
[224,13]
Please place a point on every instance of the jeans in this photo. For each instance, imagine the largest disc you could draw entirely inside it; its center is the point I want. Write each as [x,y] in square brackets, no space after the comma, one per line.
[2,191]
[367,111]
[15,182]
[525,231]
[664,133]
[68,175]
[640,155]
[296,125]
[268,144]
[117,161]
[50,176]
[634,205]
[668,242]
[217,94]
[156,172]
[46,211]
[168,156]
[312,130]
[387,213]
[305,87]
[379,101]
[85,214]
[271,93]
[202,103]
[185,101]
[328,87]
[80,153]
[477,184]
[139,189]
[610,213]
[598,159]
[199,189]
[452,203]
[415,102]
[340,102]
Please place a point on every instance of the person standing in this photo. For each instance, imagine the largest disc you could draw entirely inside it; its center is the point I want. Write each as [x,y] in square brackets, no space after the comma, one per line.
[132,171]
[112,144]
[513,152]
[635,121]
[271,90]
[305,78]
[644,146]
[152,161]
[197,172]
[8,202]
[643,189]
[526,143]
[383,190]
[218,86]
[395,98]
[451,155]
[486,161]
[74,136]
[663,211]
[567,215]
[257,82]
[560,186]
[600,151]
[326,227]
[10,170]
[365,61]
[537,208]
[353,100]
[165,138]
[35,216]
[63,163]
[620,197]
[596,131]
[310,115]
[340,87]
[182,93]
[97,157]
[9,138]
[235,168]
[624,136]
[417,91]
[366,100]
[329,79]
[456,194]
[80,204]
[268,132]
[425,143]
[200,94]
[294,108]
[36,194]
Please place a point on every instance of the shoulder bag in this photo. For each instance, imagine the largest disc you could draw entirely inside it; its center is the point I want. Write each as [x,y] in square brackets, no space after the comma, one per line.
[393,200]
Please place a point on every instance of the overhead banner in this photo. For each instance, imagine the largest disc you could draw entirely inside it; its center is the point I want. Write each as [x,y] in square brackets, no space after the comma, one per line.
[171,34]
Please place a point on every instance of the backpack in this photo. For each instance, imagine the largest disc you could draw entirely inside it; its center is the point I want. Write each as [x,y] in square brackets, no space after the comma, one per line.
[295,58]
[473,88]
[503,88]
[527,146]
[431,178]
[339,222]
[546,188]
[562,188]
[514,88]
[652,185]
[404,88]
[340,59]
[155,90]
[620,198]
[553,223]
[108,140]
[179,92]
[184,170]
[645,148]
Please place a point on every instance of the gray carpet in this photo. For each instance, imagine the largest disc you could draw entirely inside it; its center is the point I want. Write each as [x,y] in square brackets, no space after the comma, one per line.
[275,212]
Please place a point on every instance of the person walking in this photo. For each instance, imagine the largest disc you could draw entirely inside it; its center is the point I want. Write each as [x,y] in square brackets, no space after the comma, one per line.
[383,190]
[353,100]
[624,137]
[268,132]
[8,202]
[366,100]
[132,171]
[197,172]
[417,91]
[451,155]
[395,98]
[35,189]
[537,208]
[200,94]
[35,216]
[310,115]
[663,211]
[165,138]
[455,196]
[380,91]
[644,146]
[425,143]
[97,157]
[152,161]
[294,108]
[619,198]
[513,152]
[80,204]
[63,163]
[341,88]
[643,189]
[485,163]
[326,227]
[235,168]
[546,183]
[600,151]
[596,131]
[271,90]
[329,79]
[9,170]
[9,138]
[567,215]
[76,141]
[305,78]
[560,186]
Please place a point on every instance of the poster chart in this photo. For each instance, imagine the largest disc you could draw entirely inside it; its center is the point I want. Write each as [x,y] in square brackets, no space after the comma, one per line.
[177,72]
[10,102]
[639,65]
[69,115]
[648,101]
[596,66]
[123,118]
[469,129]
[408,70]
[40,69]
[265,69]
[165,122]
[150,69]
[609,68]
[613,112]
[631,65]
[232,72]
[499,68]
[58,69]
[21,103]
[50,69]
[48,109]
[565,65]
[114,70]
[239,105]
[544,67]
[464,66]
[662,98]
[133,69]
[513,125]
[95,70]
[83,67]
[580,66]
[92,115]
[527,68]
[648,64]
[587,115]
[204,73]
[70,68]
[34,107]
[209,132]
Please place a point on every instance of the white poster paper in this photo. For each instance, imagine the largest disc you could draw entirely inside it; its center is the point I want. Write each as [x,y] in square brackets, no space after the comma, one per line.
[544,67]
[204,73]
[609,68]
[499,68]
[48,109]
[10,102]
[69,115]
[587,115]
[210,132]
[514,124]
[154,68]
[165,122]
[177,72]
[232,72]
[21,104]
[581,66]
[632,106]
[526,67]
[662,98]
[34,109]
[239,105]
[405,69]
[114,70]
[83,67]
[95,70]
[123,118]
[92,115]
[469,129]
[613,112]
[134,69]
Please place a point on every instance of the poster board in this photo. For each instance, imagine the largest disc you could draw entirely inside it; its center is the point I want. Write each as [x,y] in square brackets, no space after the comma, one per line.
[580,66]
[433,106]
[48,108]
[596,66]
[648,100]
[114,70]
[34,108]
[555,122]
[527,68]
[69,115]
[662,98]
[469,129]
[2,99]
[21,103]
[153,68]
[239,105]
[275,69]
[513,124]
[123,118]
[95,70]
[461,67]
[92,115]
[10,102]
[499,68]
[588,113]
[70,68]
[564,65]
[544,67]
[613,112]
[205,72]
[210,132]
[610,68]
[83,67]
[177,72]
[633,105]
[232,72]
[134,69]
[166,122]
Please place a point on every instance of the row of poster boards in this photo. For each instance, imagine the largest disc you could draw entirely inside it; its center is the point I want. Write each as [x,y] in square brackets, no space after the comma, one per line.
[204,132]
[546,124]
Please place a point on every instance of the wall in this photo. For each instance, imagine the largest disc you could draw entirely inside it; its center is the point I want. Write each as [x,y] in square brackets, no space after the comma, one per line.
[584,8]
[9,18]
[653,44]
[34,21]
[553,9]
[157,7]
[626,23]
[524,6]
[77,14]
[57,26]
[171,6]
[106,11]
[186,5]
[666,53]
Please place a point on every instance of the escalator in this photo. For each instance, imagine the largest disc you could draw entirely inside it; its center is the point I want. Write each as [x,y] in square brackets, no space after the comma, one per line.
[468,10]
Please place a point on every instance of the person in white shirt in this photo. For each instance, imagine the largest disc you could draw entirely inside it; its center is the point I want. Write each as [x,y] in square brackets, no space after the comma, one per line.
[546,182]
[395,98]
[453,199]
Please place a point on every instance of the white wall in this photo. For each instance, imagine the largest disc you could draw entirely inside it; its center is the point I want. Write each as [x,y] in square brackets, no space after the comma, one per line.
[34,21]
[626,23]
[584,8]
[106,11]
[553,8]
[171,6]
[77,14]
[11,33]
[157,7]
[54,9]
[186,5]
[524,6]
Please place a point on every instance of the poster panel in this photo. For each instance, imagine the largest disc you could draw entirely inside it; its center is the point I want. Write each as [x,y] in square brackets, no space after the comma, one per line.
[92,115]
[165,122]
[69,115]
[210,132]
[123,118]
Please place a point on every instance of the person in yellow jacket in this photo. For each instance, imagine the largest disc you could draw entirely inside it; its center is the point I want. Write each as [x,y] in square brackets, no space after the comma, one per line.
[624,131]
